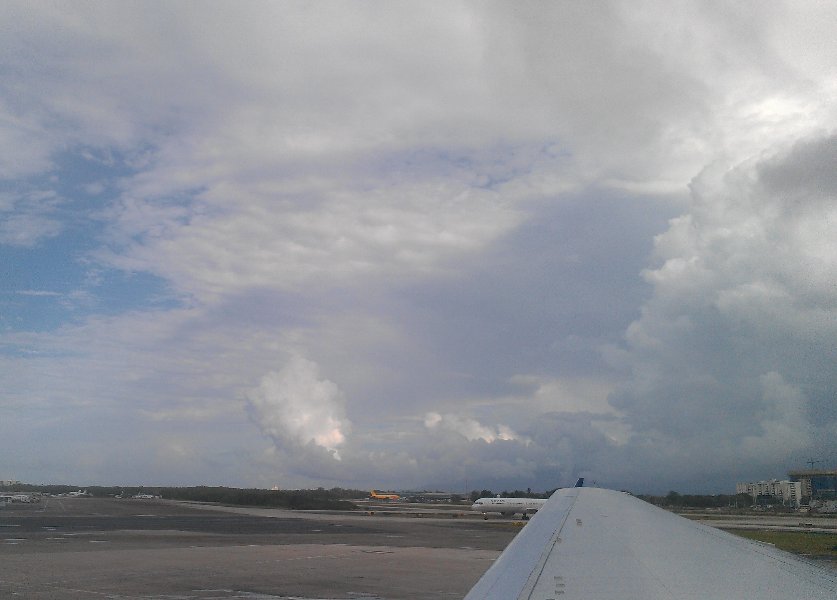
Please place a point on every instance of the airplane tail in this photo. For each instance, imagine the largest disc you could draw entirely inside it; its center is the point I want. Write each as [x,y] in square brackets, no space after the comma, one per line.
[580,482]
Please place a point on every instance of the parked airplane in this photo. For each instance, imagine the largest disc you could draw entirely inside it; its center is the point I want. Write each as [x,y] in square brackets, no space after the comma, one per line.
[597,543]
[376,496]
[508,506]
[24,498]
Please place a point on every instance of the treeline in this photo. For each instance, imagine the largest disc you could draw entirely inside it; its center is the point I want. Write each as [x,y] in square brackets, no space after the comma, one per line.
[319,499]
[677,500]
[339,498]
[670,500]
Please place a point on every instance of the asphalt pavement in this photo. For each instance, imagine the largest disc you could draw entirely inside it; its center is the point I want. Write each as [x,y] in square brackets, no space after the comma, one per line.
[130,549]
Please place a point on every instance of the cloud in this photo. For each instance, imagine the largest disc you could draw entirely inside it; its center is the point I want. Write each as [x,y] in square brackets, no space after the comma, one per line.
[29,218]
[37,293]
[254,176]
[27,230]
[26,143]
[730,355]
[470,429]
[345,237]
[447,206]
[784,420]
[295,406]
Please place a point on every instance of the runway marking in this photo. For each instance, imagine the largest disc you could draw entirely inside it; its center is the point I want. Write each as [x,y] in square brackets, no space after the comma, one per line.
[312,556]
[258,596]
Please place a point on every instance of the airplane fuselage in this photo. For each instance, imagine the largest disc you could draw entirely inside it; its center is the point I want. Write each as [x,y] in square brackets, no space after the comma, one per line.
[508,506]
[376,496]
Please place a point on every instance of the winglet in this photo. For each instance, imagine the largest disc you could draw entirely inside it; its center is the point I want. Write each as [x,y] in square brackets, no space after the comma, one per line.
[580,482]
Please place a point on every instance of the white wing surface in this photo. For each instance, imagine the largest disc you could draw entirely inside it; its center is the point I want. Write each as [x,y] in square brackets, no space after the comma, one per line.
[590,543]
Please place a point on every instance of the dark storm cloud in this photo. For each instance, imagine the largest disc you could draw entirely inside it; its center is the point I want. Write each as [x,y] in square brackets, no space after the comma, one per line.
[733,355]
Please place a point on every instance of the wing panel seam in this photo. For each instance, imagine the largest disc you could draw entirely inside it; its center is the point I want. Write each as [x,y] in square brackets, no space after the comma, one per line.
[535,576]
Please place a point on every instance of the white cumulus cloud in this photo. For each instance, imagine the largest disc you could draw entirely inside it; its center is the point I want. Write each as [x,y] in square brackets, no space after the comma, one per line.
[471,429]
[295,405]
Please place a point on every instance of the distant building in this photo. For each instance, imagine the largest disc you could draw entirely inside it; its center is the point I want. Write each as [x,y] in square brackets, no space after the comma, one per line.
[788,492]
[428,496]
[816,484]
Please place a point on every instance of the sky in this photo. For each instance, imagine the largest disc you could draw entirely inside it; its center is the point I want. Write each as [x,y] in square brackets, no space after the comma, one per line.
[442,245]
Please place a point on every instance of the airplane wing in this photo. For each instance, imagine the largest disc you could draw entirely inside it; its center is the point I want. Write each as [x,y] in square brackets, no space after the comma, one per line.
[591,543]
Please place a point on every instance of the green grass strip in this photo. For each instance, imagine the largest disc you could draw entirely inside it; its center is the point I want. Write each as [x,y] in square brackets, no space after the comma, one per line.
[808,543]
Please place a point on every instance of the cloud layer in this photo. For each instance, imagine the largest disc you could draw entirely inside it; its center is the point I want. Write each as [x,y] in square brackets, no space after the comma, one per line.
[395,246]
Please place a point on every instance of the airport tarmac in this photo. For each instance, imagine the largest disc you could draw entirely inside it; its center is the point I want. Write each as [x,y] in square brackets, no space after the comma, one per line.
[130,549]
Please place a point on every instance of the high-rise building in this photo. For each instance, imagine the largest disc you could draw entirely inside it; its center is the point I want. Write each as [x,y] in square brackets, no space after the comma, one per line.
[788,492]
